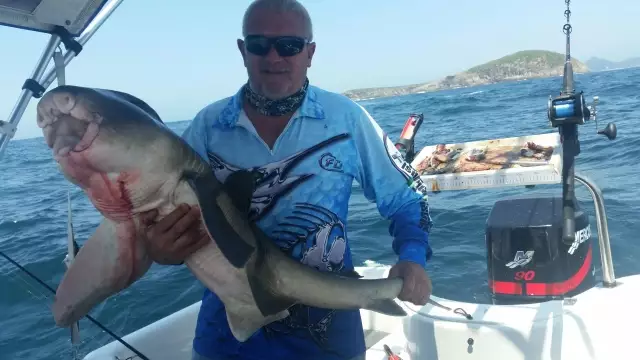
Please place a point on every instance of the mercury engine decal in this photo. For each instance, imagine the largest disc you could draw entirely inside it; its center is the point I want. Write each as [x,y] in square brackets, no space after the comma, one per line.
[521,259]
[581,236]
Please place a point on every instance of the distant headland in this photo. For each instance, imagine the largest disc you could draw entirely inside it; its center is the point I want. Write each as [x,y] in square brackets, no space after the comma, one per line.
[600,64]
[527,64]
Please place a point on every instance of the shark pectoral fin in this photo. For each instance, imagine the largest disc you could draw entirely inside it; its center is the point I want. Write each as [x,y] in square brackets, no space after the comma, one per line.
[221,219]
[240,186]
[387,307]
[109,261]
[244,325]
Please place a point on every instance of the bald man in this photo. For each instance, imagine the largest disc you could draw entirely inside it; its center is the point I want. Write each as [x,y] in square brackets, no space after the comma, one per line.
[306,146]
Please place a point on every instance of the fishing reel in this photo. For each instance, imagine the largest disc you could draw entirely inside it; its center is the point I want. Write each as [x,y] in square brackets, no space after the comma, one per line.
[571,109]
[568,109]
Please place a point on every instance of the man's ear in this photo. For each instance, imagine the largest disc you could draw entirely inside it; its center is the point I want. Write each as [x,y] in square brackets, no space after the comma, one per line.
[242,50]
[311,49]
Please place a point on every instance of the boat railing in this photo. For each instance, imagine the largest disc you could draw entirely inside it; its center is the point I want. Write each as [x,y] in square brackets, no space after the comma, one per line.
[39,81]
[608,275]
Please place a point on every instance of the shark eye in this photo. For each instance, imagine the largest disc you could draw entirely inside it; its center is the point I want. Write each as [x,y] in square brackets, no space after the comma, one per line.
[96,117]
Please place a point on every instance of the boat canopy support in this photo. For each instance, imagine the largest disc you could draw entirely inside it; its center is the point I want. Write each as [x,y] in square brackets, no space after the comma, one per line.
[52,17]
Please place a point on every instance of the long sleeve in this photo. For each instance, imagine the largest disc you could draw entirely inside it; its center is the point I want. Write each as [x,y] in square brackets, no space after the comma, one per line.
[396,188]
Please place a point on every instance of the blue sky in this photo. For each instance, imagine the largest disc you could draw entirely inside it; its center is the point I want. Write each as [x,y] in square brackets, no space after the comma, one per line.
[179,59]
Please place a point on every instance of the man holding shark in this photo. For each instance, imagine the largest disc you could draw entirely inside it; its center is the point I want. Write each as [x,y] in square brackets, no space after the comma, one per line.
[305,147]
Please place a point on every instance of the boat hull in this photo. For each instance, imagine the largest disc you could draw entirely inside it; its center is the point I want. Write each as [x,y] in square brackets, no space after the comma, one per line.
[593,325]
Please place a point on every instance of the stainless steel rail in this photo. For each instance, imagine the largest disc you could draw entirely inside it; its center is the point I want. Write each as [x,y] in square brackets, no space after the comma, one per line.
[608,276]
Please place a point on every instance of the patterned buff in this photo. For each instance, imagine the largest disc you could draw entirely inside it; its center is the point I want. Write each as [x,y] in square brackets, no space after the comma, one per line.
[275,107]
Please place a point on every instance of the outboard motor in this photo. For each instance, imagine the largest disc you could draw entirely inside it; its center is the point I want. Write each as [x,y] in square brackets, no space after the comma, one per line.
[527,259]
[406,142]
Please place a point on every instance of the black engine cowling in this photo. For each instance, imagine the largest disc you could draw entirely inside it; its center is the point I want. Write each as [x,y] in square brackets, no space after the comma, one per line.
[526,258]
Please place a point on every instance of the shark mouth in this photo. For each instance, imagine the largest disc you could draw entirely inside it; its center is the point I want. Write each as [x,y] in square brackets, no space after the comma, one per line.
[67,124]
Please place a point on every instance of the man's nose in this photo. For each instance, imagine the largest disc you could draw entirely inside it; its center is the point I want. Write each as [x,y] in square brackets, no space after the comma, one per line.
[273,55]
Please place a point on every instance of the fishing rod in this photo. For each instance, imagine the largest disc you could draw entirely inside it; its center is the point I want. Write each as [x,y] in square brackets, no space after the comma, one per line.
[566,112]
[96,322]
[73,249]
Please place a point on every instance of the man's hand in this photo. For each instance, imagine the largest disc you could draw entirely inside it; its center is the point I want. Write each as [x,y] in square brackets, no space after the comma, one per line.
[416,286]
[171,240]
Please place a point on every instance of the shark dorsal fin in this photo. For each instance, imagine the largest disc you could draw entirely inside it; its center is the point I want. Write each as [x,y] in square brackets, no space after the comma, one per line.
[240,186]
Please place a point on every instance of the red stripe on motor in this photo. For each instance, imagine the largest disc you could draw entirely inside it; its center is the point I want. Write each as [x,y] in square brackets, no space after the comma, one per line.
[563,287]
[506,287]
[544,289]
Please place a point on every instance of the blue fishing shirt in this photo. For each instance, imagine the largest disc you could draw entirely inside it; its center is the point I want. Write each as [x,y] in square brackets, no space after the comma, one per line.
[301,201]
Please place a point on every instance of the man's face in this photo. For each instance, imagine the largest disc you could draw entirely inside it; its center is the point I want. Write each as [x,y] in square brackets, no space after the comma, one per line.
[273,75]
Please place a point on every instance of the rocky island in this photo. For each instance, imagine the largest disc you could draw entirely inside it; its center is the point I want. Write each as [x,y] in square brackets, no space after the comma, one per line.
[521,65]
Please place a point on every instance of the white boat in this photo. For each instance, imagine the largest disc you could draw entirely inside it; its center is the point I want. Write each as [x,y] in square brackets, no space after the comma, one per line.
[588,326]
[591,324]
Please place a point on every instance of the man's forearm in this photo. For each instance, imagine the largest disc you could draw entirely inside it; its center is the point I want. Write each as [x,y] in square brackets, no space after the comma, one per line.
[414,251]
[409,228]
[410,240]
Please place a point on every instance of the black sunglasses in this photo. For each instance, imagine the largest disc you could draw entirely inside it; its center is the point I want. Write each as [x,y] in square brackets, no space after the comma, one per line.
[286,46]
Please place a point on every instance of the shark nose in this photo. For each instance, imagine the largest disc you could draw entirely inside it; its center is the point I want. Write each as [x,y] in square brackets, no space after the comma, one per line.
[47,111]
[64,101]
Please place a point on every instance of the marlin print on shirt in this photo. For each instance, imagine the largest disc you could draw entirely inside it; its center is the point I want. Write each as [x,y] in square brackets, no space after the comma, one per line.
[312,234]
[274,179]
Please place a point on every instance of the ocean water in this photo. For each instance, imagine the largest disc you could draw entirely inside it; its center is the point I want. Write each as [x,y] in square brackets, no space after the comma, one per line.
[34,193]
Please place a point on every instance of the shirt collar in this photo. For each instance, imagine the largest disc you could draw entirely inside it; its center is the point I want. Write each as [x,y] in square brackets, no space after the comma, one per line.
[310,108]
